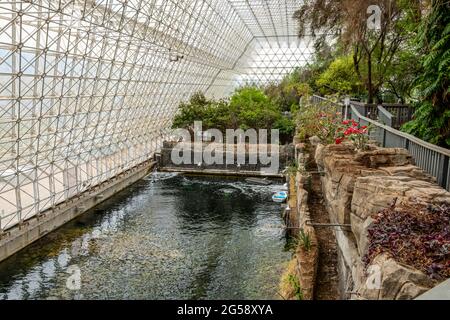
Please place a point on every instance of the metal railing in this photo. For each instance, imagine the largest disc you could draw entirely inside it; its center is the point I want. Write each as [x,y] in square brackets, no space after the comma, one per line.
[327,103]
[399,113]
[367,110]
[385,117]
[316,100]
[428,157]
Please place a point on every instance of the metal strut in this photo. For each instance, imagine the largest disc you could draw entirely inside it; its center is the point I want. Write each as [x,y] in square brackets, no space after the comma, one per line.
[311,223]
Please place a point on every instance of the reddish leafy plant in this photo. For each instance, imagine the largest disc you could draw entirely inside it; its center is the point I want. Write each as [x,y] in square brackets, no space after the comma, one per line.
[414,234]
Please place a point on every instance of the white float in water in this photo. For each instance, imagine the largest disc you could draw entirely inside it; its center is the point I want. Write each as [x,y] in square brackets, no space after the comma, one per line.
[280,196]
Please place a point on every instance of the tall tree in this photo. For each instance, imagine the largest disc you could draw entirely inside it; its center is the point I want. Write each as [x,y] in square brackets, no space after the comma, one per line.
[373,45]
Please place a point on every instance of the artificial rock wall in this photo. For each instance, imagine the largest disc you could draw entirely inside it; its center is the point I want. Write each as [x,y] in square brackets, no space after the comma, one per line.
[357,185]
[305,262]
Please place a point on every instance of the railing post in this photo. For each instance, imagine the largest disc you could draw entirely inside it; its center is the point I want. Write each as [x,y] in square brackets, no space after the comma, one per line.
[410,114]
[444,172]
[347,105]
[384,138]
[407,144]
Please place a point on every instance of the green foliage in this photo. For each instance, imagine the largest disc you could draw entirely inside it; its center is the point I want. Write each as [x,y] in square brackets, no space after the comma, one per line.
[400,76]
[429,124]
[301,82]
[304,240]
[432,117]
[373,51]
[248,107]
[192,111]
[295,284]
[285,125]
[287,94]
[293,168]
[312,120]
[340,77]
[251,108]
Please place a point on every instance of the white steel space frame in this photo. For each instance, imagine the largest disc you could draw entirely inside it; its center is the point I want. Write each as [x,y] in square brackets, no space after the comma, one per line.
[88,88]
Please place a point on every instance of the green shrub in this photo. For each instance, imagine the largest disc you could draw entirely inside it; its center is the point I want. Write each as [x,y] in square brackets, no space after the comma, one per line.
[304,240]
[247,108]
[313,121]
[293,168]
[340,77]
[295,284]
[432,117]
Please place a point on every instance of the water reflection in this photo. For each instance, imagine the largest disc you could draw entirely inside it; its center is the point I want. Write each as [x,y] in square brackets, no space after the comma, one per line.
[174,237]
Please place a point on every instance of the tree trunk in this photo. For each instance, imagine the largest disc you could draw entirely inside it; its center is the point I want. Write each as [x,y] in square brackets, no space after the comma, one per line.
[369,79]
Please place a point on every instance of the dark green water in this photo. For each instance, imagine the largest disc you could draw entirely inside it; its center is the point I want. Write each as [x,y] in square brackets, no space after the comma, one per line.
[176,238]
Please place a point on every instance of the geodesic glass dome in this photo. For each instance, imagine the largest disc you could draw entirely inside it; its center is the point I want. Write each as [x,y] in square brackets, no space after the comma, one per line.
[88,88]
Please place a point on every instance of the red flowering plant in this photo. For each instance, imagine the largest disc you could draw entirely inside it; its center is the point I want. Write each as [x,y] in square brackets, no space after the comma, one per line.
[314,120]
[353,131]
[328,124]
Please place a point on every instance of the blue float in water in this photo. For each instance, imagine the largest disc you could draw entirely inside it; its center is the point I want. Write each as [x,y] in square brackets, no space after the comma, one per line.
[280,196]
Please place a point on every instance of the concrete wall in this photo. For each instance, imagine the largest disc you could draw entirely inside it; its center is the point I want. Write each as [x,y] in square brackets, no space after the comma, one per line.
[18,237]
[165,159]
